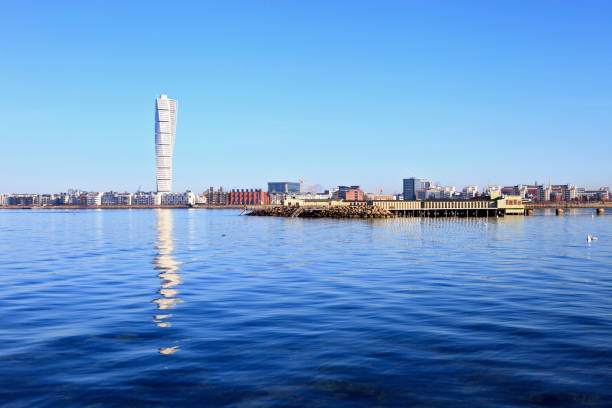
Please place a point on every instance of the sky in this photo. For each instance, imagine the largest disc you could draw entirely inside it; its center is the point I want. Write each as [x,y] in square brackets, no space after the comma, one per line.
[335,92]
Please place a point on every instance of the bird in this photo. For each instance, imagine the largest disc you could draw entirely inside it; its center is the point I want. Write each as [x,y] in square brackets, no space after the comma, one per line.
[591,238]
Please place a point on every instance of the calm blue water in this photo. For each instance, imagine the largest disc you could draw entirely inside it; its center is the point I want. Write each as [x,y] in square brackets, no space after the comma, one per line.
[168,308]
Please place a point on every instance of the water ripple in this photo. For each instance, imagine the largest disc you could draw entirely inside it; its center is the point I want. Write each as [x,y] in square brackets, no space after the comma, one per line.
[206,308]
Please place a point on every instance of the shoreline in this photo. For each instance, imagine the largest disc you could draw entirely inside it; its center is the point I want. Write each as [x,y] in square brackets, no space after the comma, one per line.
[528,206]
[121,207]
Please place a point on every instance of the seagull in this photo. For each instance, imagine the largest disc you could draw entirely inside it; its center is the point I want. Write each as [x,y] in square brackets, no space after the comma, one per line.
[591,238]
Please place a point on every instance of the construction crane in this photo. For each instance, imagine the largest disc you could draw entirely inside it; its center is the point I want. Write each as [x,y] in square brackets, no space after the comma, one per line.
[302,184]
[378,190]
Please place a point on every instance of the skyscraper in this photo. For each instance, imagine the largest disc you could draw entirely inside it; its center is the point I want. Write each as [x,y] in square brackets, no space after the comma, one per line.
[165,128]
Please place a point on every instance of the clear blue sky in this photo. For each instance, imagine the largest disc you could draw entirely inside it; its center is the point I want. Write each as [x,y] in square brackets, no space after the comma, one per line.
[337,92]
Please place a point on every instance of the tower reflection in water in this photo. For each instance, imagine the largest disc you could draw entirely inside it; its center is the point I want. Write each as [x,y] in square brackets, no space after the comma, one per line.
[168,273]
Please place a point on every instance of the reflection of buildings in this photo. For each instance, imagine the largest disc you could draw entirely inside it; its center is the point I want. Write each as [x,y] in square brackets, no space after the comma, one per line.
[168,270]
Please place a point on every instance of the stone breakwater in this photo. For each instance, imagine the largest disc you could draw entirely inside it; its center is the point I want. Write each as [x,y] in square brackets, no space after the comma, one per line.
[331,212]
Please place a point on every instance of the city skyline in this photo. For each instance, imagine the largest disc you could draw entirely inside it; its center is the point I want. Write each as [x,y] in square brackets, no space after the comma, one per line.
[488,94]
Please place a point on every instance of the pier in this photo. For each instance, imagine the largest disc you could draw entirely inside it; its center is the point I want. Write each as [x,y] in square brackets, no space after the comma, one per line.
[498,207]
[568,205]
[448,208]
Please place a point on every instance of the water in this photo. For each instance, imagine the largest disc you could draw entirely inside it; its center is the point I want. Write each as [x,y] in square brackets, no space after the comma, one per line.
[164,308]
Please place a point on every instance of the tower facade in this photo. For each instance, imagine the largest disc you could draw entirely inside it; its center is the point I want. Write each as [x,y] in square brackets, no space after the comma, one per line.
[165,128]
[411,187]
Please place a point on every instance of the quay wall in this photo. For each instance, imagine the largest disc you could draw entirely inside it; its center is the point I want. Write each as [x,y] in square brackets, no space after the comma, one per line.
[116,207]
[565,204]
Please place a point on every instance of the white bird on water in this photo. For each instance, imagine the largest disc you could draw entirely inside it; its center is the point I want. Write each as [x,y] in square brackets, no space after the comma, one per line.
[591,238]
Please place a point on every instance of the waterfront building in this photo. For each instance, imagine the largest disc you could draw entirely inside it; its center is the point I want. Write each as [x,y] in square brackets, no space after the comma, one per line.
[354,194]
[216,197]
[447,192]
[381,197]
[186,198]
[570,192]
[45,199]
[93,198]
[531,192]
[4,199]
[603,194]
[351,193]
[411,187]
[19,199]
[493,191]
[248,197]
[591,195]
[115,198]
[432,193]
[63,199]
[309,196]
[544,192]
[110,198]
[146,198]
[165,129]
[469,192]
[283,187]
[278,198]
[22,199]
[521,191]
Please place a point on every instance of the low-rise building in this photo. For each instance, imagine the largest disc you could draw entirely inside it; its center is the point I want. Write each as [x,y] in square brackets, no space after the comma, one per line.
[513,205]
[22,199]
[351,193]
[216,197]
[544,193]
[295,202]
[200,199]
[148,198]
[382,197]
[278,198]
[248,197]
[94,198]
[469,192]
[570,192]
[447,192]
[493,191]
[115,198]
[186,198]
[593,195]
[46,199]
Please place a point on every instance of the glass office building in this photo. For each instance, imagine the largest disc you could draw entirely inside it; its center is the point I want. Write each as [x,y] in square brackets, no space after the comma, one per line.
[283,187]
[411,187]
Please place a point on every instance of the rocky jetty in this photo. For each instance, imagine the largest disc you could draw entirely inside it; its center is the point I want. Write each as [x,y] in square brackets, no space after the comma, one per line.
[328,212]
[274,211]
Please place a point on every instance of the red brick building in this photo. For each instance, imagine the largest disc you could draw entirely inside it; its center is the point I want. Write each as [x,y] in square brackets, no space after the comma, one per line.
[248,197]
[351,193]
[354,195]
